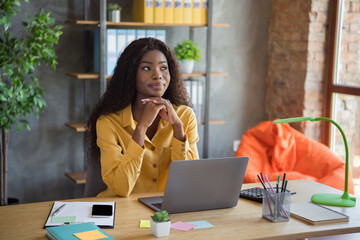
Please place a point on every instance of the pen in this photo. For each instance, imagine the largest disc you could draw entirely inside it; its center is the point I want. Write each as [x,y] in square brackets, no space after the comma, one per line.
[277,184]
[266,195]
[282,186]
[285,185]
[58,210]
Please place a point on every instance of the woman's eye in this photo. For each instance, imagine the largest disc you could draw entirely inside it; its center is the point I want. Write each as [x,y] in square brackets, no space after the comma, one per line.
[164,68]
[146,68]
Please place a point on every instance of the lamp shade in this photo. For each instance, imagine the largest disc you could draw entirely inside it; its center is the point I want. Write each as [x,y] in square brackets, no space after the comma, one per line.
[344,200]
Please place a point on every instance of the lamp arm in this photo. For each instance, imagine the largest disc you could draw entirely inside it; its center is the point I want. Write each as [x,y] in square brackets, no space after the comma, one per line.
[346,150]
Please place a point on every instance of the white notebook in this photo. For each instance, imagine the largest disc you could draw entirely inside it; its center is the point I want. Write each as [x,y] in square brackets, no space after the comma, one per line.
[316,214]
[78,212]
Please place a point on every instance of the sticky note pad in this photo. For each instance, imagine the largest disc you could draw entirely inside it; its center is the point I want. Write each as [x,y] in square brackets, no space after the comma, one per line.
[90,235]
[144,223]
[63,219]
[201,224]
[182,226]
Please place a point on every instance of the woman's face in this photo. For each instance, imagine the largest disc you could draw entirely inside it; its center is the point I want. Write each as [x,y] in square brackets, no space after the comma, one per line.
[153,76]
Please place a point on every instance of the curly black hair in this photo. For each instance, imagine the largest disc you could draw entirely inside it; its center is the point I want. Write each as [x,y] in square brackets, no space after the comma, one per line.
[121,90]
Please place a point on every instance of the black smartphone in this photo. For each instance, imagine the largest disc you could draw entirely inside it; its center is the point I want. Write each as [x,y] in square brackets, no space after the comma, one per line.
[99,210]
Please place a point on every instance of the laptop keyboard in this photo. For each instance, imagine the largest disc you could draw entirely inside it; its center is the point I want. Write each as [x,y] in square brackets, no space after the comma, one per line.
[158,205]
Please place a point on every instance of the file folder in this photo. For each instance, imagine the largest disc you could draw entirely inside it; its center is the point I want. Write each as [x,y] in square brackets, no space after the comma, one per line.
[204,9]
[187,11]
[161,35]
[140,33]
[151,33]
[130,36]
[169,11]
[158,11]
[196,12]
[178,11]
[143,11]
[111,51]
[121,41]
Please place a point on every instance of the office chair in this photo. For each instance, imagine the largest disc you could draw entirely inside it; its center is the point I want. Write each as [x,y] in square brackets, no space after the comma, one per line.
[94,183]
[277,148]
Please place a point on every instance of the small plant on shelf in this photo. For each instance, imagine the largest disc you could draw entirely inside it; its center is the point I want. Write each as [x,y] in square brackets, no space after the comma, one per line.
[113,6]
[160,224]
[187,50]
[187,53]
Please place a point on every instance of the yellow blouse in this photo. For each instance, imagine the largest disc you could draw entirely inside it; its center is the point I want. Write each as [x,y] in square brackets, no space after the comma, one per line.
[128,168]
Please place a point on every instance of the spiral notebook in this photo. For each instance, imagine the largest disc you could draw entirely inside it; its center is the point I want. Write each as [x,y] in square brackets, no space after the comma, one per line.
[316,214]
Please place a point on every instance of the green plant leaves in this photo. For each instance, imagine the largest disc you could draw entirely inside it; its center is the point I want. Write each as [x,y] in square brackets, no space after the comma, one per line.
[187,50]
[20,91]
[161,216]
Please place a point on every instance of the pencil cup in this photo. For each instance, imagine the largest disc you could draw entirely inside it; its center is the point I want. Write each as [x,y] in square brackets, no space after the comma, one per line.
[276,206]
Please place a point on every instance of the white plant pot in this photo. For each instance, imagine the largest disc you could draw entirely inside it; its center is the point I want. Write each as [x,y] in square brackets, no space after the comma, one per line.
[113,15]
[160,229]
[187,66]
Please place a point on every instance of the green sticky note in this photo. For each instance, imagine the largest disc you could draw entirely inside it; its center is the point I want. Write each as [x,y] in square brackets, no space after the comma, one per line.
[145,223]
[63,219]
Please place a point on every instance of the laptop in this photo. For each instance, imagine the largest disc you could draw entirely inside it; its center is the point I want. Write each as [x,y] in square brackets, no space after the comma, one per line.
[196,185]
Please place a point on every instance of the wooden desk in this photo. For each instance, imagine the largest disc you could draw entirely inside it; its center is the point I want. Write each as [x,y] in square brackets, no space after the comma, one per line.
[26,221]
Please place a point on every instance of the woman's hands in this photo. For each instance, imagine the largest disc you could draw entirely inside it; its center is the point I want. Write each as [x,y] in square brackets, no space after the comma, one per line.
[163,107]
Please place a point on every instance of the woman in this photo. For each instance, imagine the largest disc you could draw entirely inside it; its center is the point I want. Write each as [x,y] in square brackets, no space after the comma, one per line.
[143,121]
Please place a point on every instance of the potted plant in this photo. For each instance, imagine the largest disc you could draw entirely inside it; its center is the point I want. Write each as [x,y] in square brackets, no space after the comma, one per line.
[20,90]
[187,53]
[160,224]
[113,12]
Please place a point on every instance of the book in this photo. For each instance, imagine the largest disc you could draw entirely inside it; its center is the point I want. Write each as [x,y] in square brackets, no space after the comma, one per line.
[76,212]
[161,35]
[130,36]
[111,50]
[178,11]
[151,33]
[140,33]
[121,43]
[143,11]
[204,9]
[316,214]
[196,12]
[187,11]
[158,11]
[77,231]
[169,11]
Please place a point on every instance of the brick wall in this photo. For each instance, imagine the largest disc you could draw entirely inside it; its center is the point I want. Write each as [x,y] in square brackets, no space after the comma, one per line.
[297,61]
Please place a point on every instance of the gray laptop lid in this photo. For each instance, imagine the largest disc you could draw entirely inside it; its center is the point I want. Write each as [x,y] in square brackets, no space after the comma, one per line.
[196,185]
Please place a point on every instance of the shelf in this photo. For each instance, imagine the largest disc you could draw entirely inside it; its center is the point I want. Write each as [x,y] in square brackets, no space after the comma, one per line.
[141,24]
[77,126]
[97,76]
[77,177]
[81,126]
[86,75]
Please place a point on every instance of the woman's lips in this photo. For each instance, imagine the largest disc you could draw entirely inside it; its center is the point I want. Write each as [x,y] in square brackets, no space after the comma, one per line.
[156,86]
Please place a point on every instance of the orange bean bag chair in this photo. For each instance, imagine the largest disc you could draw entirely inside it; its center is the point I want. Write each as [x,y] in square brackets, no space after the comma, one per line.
[277,148]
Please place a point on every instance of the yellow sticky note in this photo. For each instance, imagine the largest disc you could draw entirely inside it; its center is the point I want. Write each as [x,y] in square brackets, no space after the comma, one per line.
[90,235]
[144,223]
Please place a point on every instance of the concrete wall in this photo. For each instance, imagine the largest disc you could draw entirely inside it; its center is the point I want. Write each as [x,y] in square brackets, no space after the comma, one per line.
[39,158]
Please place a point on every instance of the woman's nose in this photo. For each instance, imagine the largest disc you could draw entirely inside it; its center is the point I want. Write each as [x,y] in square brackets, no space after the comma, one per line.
[157,74]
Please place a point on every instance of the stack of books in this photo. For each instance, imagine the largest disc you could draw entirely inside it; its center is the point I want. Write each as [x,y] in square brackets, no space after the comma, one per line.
[171,11]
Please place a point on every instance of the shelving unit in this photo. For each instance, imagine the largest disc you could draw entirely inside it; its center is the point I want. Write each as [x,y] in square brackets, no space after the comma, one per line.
[79,177]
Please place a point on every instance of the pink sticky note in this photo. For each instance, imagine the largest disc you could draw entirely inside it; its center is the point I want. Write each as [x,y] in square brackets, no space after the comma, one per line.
[182,226]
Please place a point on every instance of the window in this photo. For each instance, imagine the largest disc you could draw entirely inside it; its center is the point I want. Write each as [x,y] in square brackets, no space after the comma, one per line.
[343,91]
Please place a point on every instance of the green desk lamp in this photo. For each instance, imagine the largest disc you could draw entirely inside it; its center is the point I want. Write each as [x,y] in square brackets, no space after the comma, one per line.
[329,198]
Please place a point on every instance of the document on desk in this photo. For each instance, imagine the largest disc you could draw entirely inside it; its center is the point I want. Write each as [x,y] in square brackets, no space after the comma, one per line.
[316,214]
[63,213]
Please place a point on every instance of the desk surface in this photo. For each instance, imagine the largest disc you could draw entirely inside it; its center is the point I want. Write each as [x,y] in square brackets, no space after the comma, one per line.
[26,221]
